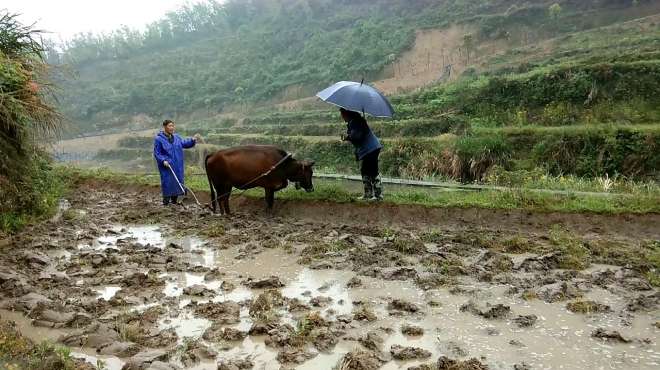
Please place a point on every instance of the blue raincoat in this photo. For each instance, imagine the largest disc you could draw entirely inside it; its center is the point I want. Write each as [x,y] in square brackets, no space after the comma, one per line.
[173,154]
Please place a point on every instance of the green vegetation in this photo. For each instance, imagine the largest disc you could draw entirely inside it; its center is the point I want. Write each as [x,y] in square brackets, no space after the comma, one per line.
[574,254]
[514,245]
[577,112]
[498,156]
[494,199]
[644,257]
[208,57]
[20,353]
[586,307]
[29,186]
[568,100]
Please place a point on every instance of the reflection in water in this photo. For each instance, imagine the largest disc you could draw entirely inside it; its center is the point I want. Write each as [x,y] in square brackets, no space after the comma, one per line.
[107,362]
[107,292]
[186,325]
[331,284]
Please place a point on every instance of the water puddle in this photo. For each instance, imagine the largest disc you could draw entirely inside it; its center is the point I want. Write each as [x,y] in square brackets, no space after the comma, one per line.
[107,292]
[143,235]
[101,362]
[186,325]
[310,284]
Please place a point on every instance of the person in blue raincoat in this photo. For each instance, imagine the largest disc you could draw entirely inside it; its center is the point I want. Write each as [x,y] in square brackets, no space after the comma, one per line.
[367,149]
[168,152]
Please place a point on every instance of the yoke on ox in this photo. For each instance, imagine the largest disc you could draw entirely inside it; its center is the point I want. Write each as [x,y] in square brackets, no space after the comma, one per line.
[251,166]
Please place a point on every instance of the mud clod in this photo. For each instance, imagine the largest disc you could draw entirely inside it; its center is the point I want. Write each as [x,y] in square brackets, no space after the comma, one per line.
[145,358]
[543,263]
[445,363]
[498,311]
[120,349]
[609,336]
[265,303]
[268,283]
[224,312]
[198,290]
[244,364]
[320,301]
[354,282]
[525,321]
[409,353]
[323,339]
[644,302]
[372,341]
[494,262]
[233,335]
[227,286]
[364,313]
[428,281]
[403,273]
[587,307]
[141,280]
[359,360]
[561,291]
[294,355]
[403,306]
[411,330]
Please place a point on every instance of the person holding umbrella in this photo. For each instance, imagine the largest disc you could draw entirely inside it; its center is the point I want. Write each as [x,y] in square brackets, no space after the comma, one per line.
[168,152]
[367,149]
[352,98]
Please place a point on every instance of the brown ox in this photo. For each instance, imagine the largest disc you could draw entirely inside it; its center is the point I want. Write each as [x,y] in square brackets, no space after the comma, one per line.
[251,166]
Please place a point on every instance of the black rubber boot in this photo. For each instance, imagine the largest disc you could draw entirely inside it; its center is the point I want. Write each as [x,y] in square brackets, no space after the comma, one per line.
[377,186]
[368,188]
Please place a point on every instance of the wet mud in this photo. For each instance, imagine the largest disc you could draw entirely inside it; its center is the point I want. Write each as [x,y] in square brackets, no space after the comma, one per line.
[122,279]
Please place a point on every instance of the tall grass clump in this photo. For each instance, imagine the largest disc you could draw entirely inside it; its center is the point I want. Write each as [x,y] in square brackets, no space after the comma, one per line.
[28,183]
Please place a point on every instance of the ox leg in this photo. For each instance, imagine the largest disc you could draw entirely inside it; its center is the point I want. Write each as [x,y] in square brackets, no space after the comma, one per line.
[270,198]
[214,196]
[225,200]
[214,204]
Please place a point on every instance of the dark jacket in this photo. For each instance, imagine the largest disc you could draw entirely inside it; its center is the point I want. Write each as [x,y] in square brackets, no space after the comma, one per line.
[361,136]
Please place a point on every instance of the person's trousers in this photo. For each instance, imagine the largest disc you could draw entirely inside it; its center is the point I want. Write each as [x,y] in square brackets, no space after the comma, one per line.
[370,175]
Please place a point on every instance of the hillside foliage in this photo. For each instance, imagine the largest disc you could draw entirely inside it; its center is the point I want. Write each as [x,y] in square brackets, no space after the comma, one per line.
[27,184]
[211,56]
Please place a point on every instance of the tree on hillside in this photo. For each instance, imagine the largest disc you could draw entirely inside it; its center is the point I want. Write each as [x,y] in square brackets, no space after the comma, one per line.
[555,11]
[468,45]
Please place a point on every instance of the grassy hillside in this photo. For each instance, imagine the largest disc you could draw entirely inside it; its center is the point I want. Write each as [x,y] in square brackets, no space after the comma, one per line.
[206,58]
[584,105]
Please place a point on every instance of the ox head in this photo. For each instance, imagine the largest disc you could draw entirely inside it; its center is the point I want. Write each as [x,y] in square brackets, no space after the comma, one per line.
[303,176]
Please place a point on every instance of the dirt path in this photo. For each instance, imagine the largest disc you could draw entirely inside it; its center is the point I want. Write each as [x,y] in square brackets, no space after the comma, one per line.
[120,278]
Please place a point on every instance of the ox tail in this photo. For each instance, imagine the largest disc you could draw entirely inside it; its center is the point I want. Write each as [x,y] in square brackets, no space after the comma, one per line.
[208,177]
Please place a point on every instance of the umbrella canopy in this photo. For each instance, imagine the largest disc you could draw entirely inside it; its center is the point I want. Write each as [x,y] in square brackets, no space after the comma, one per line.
[358,97]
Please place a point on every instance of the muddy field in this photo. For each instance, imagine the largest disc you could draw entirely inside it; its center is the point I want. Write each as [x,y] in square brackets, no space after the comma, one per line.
[122,279]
